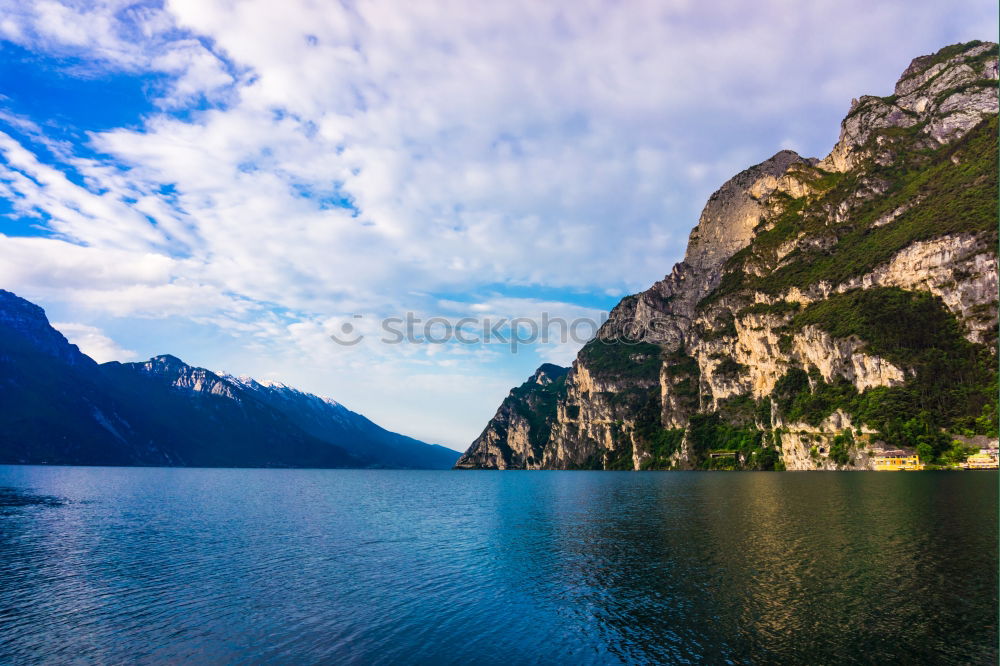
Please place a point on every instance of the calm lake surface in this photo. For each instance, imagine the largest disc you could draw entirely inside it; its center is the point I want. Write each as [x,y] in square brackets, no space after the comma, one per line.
[103,565]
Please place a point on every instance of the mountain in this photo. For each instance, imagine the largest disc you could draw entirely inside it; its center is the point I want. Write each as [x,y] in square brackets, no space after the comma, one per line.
[58,406]
[55,403]
[332,422]
[514,438]
[824,310]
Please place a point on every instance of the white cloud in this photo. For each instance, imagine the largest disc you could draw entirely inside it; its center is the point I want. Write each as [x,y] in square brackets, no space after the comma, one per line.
[117,35]
[93,342]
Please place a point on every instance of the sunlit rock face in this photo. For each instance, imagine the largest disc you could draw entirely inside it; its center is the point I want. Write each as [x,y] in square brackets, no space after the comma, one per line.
[824,309]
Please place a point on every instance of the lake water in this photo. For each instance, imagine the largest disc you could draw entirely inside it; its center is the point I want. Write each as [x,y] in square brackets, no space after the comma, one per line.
[106,565]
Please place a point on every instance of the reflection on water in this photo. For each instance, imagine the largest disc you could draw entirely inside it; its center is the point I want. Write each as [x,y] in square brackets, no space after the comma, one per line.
[13,498]
[440,567]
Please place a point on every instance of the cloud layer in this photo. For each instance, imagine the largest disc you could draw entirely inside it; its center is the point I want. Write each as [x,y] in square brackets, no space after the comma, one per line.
[93,342]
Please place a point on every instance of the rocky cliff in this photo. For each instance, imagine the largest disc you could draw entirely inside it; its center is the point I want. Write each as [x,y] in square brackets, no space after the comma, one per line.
[516,435]
[824,310]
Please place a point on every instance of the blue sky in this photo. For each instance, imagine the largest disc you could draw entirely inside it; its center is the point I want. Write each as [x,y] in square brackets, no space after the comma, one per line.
[231,183]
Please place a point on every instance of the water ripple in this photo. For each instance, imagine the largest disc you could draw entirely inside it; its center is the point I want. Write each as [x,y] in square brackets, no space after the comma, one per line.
[251,566]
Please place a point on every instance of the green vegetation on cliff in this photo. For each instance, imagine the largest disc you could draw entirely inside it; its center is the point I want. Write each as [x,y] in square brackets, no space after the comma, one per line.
[950,382]
[663,443]
[536,403]
[621,359]
[719,445]
[948,52]
[682,373]
[931,192]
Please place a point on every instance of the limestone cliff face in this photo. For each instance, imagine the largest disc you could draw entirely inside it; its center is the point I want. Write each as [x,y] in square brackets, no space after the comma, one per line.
[732,214]
[514,437]
[824,309]
[943,96]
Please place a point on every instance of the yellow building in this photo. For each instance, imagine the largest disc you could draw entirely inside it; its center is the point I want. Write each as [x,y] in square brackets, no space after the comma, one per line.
[896,460]
[982,460]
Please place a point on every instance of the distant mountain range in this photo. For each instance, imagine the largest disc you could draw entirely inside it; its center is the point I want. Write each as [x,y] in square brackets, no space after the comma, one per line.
[58,406]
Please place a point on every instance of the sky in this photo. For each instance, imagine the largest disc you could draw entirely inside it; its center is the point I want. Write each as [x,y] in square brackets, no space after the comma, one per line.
[235,182]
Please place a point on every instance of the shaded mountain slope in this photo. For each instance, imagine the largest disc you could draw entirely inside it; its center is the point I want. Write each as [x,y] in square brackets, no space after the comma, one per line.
[58,406]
